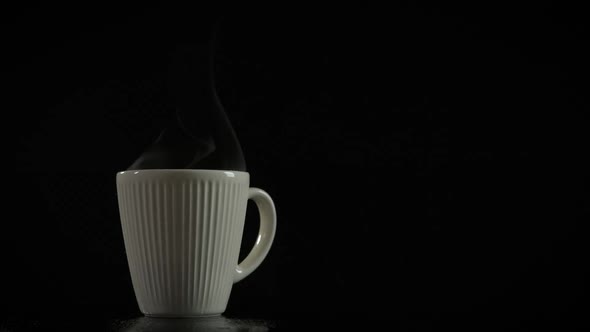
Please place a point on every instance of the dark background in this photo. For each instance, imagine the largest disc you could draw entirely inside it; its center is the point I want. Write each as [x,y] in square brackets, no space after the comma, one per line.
[428,163]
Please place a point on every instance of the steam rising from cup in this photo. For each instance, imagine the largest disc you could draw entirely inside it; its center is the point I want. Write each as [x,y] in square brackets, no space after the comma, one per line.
[199,135]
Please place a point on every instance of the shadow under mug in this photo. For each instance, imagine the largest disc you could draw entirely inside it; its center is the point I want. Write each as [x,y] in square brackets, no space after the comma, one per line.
[182,231]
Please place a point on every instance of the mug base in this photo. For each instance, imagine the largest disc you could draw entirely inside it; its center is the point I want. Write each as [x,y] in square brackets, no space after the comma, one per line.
[181,315]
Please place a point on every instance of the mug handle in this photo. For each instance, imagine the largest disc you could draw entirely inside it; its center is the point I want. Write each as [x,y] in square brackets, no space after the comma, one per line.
[266,233]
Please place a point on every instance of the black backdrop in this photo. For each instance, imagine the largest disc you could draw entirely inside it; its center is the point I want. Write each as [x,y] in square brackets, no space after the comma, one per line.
[428,163]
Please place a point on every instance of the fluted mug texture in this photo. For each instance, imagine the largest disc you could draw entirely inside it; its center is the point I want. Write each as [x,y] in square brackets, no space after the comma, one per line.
[182,231]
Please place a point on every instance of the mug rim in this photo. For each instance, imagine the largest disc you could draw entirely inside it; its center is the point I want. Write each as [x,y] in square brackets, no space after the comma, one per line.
[179,170]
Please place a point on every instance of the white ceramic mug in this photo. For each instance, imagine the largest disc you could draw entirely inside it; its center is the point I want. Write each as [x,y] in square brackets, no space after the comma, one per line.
[182,232]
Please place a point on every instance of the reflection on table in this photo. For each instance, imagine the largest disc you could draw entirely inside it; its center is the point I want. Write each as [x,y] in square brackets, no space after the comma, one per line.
[216,323]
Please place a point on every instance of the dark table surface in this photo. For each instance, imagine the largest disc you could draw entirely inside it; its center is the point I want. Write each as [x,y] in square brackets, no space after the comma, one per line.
[313,322]
[140,324]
